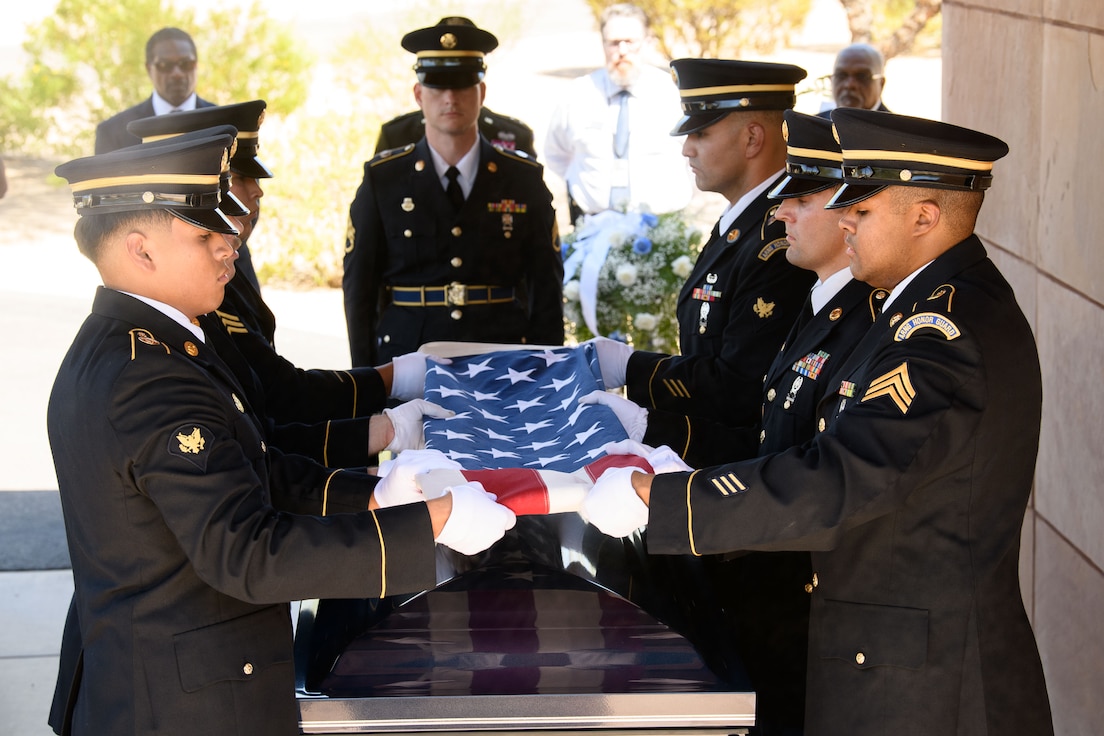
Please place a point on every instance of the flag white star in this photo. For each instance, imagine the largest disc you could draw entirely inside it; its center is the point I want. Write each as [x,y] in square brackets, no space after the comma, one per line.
[535,446]
[523,405]
[438,370]
[516,376]
[480,396]
[551,358]
[566,403]
[575,415]
[582,437]
[532,427]
[474,369]
[493,417]
[497,453]
[492,435]
[557,384]
[447,392]
[448,434]
[546,461]
[458,456]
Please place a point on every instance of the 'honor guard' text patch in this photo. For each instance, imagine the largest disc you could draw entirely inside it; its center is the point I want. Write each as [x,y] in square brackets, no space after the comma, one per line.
[189,441]
[773,247]
[927,320]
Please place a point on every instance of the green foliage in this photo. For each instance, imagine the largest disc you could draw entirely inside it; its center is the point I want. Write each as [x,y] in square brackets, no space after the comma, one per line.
[718,28]
[87,62]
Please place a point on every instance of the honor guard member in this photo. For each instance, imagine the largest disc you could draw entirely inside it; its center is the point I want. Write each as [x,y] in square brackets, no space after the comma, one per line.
[331,416]
[450,238]
[184,538]
[245,166]
[912,495]
[743,295]
[502,131]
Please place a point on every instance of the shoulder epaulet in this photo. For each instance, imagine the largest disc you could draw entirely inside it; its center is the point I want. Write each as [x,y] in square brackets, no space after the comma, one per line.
[391,154]
[943,293]
[768,220]
[875,302]
[517,155]
[139,336]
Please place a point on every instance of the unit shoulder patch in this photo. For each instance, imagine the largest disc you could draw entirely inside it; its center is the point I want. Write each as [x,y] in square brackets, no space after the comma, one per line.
[189,441]
[775,246]
[927,320]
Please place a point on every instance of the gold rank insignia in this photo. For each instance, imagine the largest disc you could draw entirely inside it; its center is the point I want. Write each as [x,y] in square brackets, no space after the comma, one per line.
[927,321]
[189,441]
[728,485]
[192,443]
[231,322]
[762,308]
[896,385]
[676,388]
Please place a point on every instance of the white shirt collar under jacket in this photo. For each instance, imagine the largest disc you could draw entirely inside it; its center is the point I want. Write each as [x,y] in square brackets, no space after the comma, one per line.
[823,291]
[172,313]
[161,107]
[735,209]
[468,166]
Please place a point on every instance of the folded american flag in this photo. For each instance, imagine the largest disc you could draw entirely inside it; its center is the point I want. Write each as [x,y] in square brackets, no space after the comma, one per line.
[519,409]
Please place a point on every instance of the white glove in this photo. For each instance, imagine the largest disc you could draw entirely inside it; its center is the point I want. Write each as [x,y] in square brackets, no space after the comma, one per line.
[406,419]
[476,521]
[633,418]
[613,506]
[613,359]
[397,486]
[662,459]
[408,374]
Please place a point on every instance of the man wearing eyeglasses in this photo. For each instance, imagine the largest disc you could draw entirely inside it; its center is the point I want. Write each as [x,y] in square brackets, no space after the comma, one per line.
[608,139]
[171,64]
[858,78]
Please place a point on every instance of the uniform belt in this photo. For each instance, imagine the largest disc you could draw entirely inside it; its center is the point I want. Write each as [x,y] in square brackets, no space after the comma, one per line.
[450,295]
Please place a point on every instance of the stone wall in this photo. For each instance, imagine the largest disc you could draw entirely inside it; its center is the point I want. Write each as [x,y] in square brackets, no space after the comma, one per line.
[1032,73]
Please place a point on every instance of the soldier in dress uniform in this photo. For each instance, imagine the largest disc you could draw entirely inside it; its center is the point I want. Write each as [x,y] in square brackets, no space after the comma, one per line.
[912,494]
[743,295]
[332,416]
[502,131]
[187,540]
[450,238]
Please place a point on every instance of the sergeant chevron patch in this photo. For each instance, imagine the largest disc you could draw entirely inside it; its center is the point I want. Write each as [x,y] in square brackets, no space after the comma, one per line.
[231,322]
[896,385]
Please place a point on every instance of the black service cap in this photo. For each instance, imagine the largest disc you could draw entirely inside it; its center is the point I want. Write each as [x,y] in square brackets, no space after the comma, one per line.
[450,54]
[813,158]
[712,88]
[883,149]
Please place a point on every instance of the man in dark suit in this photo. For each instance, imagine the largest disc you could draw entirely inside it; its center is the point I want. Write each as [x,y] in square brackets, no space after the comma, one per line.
[187,540]
[450,238]
[858,79]
[912,494]
[171,60]
[743,295]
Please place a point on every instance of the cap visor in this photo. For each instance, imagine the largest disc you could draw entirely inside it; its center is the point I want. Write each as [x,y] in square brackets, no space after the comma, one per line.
[850,194]
[793,186]
[452,79]
[233,206]
[251,166]
[693,123]
[212,220]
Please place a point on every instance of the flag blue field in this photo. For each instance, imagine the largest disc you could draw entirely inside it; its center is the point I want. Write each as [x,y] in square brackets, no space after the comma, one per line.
[519,409]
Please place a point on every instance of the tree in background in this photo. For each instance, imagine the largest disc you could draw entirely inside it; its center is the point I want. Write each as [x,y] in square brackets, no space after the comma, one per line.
[893,26]
[87,62]
[718,28]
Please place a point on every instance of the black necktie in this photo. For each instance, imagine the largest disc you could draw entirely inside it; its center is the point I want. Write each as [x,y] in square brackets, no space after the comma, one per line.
[806,315]
[453,190]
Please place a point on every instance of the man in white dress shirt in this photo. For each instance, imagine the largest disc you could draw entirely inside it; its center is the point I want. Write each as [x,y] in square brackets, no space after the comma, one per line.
[641,167]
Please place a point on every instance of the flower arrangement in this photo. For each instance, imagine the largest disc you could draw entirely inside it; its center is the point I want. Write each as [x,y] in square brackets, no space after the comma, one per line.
[622,275]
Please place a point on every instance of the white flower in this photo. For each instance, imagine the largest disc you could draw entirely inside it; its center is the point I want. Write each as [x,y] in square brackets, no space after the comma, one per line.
[644,321]
[571,290]
[682,266]
[626,274]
